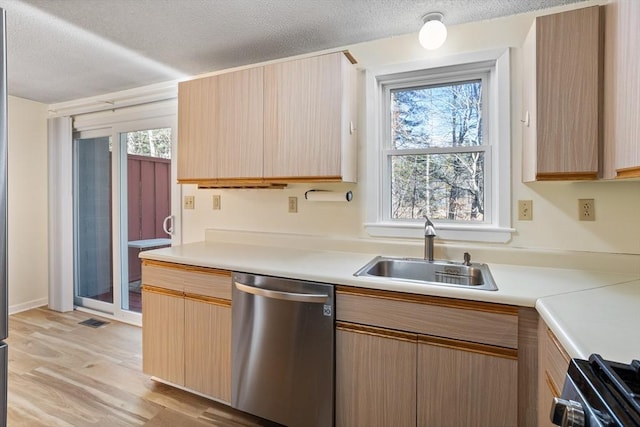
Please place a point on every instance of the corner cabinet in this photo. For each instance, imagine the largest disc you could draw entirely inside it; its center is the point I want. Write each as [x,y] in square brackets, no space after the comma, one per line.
[553,362]
[562,96]
[286,122]
[408,360]
[186,327]
[622,90]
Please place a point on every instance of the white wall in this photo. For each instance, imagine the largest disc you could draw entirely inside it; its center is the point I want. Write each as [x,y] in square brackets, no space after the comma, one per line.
[555,225]
[27,204]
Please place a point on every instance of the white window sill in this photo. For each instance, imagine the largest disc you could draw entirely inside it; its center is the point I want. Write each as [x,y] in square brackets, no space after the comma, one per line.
[471,233]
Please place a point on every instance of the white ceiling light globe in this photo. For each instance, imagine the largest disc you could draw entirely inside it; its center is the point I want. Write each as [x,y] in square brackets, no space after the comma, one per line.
[432,34]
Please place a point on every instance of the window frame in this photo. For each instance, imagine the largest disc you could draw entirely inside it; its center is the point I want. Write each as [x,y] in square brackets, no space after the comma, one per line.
[493,67]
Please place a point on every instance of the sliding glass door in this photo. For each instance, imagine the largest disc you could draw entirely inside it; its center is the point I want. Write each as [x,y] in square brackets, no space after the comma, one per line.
[122,206]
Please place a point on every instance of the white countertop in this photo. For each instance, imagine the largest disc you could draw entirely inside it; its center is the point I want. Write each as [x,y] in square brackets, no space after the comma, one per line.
[580,307]
[602,320]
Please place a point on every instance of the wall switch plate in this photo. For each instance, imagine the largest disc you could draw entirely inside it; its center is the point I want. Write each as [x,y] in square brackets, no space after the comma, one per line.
[216,202]
[189,202]
[586,210]
[525,210]
[293,204]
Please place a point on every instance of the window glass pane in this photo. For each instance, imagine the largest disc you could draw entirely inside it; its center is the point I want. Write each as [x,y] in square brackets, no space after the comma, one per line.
[93,220]
[151,142]
[148,180]
[443,186]
[437,116]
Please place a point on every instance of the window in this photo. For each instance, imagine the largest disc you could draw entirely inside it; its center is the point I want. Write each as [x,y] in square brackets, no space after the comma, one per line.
[436,152]
[439,136]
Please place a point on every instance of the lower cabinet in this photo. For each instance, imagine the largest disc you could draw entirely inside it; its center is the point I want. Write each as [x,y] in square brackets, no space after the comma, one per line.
[163,334]
[207,351]
[375,377]
[462,385]
[186,336]
[391,371]
[401,360]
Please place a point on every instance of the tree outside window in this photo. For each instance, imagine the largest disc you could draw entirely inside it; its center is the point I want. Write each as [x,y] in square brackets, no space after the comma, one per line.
[436,155]
[151,142]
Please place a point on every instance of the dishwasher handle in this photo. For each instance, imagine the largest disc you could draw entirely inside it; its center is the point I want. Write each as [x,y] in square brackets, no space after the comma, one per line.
[286,296]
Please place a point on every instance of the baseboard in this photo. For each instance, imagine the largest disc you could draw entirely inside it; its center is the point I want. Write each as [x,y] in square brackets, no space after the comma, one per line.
[17,308]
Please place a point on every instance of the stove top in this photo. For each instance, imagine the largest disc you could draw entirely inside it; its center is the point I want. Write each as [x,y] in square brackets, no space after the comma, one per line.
[608,392]
[621,379]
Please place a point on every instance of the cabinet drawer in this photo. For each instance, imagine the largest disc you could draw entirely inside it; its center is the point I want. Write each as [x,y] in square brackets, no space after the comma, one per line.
[485,323]
[188,279]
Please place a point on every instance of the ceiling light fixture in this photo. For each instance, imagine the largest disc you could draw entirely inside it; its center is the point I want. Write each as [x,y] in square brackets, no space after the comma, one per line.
[433,33]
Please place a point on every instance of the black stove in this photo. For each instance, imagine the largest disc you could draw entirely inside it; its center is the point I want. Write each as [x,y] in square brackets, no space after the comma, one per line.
[599,392]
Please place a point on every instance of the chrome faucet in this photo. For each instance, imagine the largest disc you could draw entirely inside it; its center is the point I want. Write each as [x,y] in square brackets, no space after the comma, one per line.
[429,234]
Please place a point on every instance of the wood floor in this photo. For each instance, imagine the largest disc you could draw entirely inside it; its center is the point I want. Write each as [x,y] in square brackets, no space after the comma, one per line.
[65,374]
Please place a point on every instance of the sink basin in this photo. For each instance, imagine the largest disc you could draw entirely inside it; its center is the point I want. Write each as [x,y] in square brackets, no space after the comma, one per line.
[417,270]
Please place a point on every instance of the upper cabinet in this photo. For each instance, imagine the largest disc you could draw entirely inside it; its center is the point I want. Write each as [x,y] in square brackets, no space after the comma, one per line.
[196,157]
[285,122]
[309,119]
[562,96]
[220,130]
[622,90]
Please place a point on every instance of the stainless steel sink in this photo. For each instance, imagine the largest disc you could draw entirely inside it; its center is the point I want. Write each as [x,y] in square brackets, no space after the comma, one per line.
[448,273]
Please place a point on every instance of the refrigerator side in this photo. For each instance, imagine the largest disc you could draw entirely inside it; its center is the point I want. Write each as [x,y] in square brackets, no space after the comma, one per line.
[4,327]
[4,320]
[4,360]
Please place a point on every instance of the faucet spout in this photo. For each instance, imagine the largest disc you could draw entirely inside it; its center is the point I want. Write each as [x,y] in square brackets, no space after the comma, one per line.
[429,234]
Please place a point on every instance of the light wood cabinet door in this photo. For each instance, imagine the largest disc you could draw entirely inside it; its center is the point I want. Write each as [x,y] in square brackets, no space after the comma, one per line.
[553,362]
[220,127]
[459,386]
[163,334]
[308,119]
[196,149]
[238,124]
[622,89]
[563,96]
[186,327]
[375,378]
[208,347]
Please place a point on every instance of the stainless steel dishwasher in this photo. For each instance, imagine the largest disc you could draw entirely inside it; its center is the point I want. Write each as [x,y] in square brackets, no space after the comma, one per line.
[283,350]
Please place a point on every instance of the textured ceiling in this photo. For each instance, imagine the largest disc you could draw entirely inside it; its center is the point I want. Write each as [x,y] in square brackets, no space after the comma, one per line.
[60,50]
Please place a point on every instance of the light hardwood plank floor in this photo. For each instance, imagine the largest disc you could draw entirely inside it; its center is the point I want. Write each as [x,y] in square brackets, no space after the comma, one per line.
[65,374]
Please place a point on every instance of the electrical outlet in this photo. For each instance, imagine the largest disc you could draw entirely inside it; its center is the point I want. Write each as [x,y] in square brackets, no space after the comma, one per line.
[293,204]
[189,202]
[525,210]
[586,210]
[216,202]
